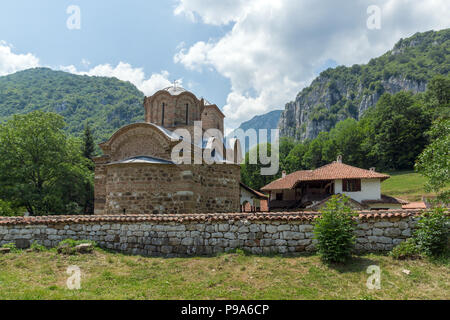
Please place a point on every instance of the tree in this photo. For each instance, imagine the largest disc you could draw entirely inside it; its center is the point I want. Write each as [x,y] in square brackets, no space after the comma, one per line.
[346,139]
[294,160]
[313,158]
[437,97]
[40,168]
[286,145]
[88,143]
[434,161]
[399,123]
[334,230]
[251,173]
[432,232]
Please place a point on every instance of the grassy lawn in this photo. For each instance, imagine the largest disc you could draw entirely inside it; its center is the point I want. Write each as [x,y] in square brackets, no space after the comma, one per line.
[105,275]
[407,185]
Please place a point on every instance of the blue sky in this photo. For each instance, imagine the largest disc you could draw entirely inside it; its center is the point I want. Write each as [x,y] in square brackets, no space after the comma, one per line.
[143,33]
[247,56]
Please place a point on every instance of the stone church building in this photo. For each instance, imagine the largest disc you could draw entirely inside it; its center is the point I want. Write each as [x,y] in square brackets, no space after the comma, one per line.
[136,173]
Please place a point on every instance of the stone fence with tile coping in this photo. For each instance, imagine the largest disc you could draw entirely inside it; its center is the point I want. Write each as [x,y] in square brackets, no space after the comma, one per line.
[205,234]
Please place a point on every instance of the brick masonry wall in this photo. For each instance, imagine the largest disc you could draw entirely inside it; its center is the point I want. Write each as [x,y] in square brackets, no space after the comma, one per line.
[197,234]
[170,189]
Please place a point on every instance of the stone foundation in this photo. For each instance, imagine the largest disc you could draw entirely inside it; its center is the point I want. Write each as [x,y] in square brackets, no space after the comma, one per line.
[204,234]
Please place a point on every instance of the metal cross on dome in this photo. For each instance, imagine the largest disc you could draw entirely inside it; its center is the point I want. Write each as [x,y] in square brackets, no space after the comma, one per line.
[175,82]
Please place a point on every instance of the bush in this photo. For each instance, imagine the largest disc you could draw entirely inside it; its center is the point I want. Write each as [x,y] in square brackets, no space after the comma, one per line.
[432,233]
[37,247]
[334,230]
[12,247]
[406,250]
[67,246]
[7,210]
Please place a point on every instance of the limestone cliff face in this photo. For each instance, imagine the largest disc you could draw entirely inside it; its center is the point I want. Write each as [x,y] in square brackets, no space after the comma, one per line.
[319,107]
[345,92]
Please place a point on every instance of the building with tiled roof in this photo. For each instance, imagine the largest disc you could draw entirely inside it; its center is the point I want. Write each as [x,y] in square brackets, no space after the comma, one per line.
[140,172]
[252,200]
[310,188]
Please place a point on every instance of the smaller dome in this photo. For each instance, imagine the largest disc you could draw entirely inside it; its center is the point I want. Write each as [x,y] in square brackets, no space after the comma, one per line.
[175,90]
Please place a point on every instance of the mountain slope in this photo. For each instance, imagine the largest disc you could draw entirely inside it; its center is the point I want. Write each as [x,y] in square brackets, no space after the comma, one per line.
[265,121]
[345,92]
[105,103]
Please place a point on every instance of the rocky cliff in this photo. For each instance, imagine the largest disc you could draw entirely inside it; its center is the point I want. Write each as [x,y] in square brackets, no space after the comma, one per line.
[343,92]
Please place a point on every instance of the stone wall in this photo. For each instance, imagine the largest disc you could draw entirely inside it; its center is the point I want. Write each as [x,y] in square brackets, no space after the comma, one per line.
[204,234]
[170,189]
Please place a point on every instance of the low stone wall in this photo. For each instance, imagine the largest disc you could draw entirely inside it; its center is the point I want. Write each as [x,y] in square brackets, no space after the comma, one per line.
[204,234]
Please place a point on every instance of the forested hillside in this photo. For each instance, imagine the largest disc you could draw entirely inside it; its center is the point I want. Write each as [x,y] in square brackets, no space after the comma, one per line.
[389,137]
[348,92]
[105,104]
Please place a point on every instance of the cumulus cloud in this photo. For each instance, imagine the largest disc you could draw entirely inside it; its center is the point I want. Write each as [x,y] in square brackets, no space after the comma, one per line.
[211,11]
[11,62]
[275,47]
[126,72]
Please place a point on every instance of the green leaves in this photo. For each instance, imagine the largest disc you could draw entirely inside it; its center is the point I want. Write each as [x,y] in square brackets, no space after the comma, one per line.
[40,168]
[334,230]
[399,123]
[105,103]
[432,232]
[434,161]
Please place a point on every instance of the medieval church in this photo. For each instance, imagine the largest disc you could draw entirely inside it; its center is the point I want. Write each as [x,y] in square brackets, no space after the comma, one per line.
[137,175]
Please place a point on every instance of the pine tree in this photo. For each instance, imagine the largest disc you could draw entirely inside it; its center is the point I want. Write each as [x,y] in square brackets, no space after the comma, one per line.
[88,147]
[88,152]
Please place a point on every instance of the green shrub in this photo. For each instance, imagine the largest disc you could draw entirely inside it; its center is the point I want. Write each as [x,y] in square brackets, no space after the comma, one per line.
[6,209]
[432,232]
[334,230]
[74,243]
[12,247]
[67,246]
[37,247]
[406,250]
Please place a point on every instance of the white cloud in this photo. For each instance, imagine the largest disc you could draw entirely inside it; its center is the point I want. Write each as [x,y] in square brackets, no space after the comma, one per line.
[126,72]
[11,62]
[274,47]
[211,11]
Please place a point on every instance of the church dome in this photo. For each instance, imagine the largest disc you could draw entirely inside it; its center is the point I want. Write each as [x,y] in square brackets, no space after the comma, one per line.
[175,90]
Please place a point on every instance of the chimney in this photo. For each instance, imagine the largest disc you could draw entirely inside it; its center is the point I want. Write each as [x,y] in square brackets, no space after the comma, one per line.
[372,169]
[339,159]
[283,174]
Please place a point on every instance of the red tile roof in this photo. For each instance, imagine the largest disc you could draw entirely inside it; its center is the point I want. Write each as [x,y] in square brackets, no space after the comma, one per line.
[161,218]
[388,199]
[256,193]
[332,171]
[415,205]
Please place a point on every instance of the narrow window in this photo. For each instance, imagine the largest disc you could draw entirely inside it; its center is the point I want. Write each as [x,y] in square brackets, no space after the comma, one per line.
[351,185]
[187,113]
[162,120]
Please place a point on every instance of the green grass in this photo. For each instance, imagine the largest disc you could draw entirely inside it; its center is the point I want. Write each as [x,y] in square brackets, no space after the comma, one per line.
[407,185]
[105,275]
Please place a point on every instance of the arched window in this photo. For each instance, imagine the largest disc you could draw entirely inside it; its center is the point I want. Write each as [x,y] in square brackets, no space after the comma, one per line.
[162,118]
[187,113]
